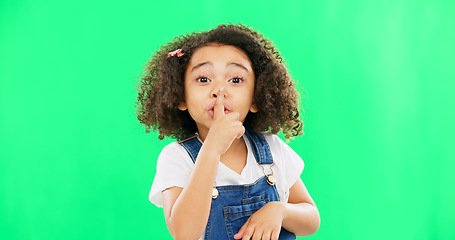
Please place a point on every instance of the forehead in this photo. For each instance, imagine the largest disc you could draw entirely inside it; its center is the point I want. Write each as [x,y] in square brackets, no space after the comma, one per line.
[219,53]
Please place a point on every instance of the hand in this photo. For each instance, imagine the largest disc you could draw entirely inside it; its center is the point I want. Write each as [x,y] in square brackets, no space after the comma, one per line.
[265,224]
[224,127]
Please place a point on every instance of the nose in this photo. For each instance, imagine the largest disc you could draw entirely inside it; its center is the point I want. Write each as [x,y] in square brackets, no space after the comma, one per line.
[216,89]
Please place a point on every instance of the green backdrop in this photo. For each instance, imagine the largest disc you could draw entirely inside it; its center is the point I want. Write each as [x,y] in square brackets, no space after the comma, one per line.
[377,84]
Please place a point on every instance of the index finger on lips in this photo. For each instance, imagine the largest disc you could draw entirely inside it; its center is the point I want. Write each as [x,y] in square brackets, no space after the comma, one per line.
[218,109]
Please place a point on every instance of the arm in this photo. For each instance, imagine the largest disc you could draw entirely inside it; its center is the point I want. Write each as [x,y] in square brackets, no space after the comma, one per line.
[187,209]
[299,215]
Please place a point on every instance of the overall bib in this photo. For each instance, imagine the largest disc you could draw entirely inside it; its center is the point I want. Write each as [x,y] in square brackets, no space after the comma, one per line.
[234,204]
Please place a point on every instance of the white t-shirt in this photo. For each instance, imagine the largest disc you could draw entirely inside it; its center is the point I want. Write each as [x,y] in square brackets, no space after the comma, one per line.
[174,167]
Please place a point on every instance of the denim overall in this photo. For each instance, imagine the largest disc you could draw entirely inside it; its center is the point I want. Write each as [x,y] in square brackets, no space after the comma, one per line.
[236,203]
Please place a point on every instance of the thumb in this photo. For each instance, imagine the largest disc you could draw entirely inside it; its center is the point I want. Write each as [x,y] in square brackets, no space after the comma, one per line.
[242,230]
[218,109]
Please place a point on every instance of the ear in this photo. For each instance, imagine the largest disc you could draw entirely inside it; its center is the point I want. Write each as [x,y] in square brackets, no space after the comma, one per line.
[254,108]
[182,106]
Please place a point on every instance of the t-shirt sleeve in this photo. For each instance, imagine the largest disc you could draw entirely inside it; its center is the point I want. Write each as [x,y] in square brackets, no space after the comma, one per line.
[173,169]
[292,163]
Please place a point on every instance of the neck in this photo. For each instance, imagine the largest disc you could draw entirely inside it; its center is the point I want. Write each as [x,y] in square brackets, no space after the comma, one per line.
[202,134]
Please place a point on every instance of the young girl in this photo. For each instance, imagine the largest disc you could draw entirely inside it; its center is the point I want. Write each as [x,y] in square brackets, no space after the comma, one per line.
[224,94]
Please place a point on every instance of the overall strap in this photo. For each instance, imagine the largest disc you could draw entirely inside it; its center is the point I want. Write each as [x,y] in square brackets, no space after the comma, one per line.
[259,145]
[192,145]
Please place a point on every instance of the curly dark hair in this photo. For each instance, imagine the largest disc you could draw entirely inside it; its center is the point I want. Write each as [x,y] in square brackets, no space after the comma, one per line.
[162,86]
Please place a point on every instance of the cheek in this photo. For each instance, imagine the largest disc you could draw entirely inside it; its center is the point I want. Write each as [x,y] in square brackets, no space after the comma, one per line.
[250,93]
[194,97]
[189,91]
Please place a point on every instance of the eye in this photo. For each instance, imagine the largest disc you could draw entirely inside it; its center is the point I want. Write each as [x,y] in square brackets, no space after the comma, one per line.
[203,80]
[236,80]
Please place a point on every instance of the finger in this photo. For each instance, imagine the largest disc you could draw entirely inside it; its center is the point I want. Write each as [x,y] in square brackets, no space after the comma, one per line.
[248,233]
[257,235]
[240,233]
[266,235]
[218,109]
[275,235]
[241,132]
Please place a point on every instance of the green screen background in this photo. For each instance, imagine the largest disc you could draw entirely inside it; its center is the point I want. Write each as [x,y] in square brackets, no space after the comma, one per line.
[376,80]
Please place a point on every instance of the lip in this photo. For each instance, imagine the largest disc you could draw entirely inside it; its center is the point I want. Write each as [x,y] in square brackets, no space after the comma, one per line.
[212,112]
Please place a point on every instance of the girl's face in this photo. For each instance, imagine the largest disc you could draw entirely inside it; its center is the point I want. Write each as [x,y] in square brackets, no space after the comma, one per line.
[213,67]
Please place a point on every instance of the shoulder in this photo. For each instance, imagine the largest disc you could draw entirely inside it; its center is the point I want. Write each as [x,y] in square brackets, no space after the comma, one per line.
[172,170]
[282,151]
[275,143]
[174,154]
[272,139]
[171,148]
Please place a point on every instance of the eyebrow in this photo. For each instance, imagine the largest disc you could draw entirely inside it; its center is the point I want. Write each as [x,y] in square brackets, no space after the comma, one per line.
[200,65]
[229,64]
[238,65]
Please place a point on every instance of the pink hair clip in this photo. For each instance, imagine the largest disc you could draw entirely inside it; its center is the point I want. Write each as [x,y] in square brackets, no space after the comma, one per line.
[177,53]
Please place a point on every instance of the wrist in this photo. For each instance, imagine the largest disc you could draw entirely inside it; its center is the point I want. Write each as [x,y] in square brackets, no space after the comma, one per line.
[281,209]
[210,151]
